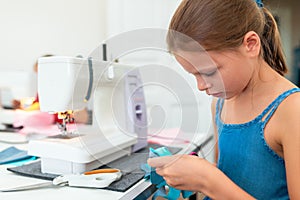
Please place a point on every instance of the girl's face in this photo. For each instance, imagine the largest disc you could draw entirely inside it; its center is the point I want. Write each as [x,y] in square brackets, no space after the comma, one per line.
[221,74]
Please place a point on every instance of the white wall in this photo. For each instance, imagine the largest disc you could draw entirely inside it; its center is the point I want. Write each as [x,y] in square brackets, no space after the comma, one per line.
[127,15]
[32,28]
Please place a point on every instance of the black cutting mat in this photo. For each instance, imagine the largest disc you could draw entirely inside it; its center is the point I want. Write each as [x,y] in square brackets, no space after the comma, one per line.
[129,165]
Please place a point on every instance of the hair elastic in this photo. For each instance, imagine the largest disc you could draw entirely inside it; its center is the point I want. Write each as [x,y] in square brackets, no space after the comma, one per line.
[259,3]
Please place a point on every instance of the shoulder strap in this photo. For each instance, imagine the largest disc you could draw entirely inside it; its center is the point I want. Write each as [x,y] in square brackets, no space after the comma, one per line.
[274,105]
[219,106]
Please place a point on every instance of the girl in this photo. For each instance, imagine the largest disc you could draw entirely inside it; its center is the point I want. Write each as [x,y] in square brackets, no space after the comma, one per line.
[256,112]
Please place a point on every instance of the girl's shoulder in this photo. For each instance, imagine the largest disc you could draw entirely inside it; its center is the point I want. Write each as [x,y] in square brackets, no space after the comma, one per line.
[291,103]
[288,113]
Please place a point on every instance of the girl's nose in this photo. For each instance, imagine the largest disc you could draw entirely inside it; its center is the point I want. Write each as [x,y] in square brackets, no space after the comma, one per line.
[203,85]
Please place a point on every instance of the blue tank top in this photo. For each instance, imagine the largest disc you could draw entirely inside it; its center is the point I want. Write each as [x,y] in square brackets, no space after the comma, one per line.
[246,158]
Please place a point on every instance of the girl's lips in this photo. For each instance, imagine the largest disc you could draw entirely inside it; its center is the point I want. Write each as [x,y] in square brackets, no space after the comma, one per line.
[218,94]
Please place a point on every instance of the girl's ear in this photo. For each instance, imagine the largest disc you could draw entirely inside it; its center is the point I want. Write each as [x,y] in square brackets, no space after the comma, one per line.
[252,43]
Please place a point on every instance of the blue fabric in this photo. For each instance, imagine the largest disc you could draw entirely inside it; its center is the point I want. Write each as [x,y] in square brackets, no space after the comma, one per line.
[12,154]
[246,158]
[159,181]
[22,162]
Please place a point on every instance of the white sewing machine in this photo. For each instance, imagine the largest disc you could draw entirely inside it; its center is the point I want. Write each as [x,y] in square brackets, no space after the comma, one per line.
[119,113]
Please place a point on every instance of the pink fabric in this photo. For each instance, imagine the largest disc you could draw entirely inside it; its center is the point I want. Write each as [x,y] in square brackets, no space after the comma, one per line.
[38,122]
[32,118]
[167,137]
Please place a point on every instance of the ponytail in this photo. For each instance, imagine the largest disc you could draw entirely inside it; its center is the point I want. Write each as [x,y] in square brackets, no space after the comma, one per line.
[272,50]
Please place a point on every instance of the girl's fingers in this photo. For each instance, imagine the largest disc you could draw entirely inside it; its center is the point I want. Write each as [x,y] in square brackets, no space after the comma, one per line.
[161,161]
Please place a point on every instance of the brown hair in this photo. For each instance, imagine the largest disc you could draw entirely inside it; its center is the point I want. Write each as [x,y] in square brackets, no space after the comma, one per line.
[222,24]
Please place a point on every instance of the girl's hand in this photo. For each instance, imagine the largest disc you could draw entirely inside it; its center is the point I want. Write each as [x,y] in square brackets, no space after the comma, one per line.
[184,172]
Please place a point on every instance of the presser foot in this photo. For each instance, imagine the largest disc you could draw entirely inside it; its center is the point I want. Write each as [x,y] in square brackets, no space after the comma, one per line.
[66,117]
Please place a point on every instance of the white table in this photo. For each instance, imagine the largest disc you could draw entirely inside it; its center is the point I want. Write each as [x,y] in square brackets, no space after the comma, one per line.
[9,179]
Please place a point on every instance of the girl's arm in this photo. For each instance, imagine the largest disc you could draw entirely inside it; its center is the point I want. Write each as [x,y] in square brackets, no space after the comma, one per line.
[219,186]
[290,140]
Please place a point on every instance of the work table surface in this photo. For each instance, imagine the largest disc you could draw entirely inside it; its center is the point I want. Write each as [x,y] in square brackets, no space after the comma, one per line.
[10,180]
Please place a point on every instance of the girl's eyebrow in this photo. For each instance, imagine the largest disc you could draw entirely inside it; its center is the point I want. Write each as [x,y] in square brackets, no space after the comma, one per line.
[206,68]
[205,71]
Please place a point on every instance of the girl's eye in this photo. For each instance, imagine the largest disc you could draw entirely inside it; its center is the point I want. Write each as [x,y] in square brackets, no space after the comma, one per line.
[209,73]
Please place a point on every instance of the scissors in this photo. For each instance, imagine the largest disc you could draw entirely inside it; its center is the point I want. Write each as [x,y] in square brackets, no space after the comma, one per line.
[99,178]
